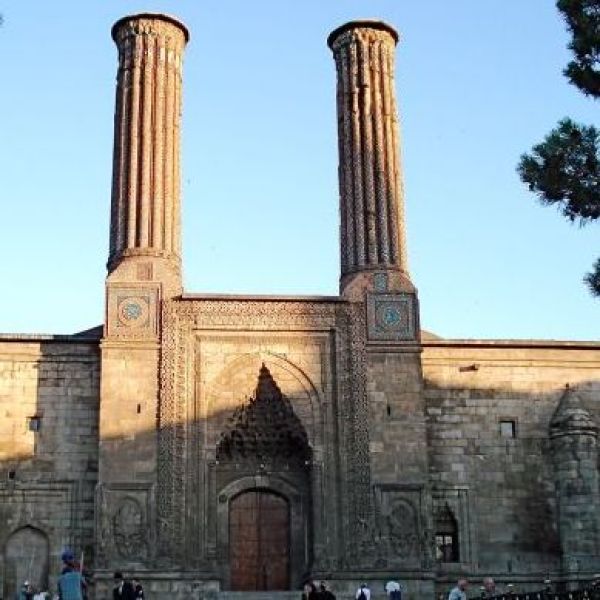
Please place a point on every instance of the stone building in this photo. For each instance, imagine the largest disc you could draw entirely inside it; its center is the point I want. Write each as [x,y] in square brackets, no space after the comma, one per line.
[245,443]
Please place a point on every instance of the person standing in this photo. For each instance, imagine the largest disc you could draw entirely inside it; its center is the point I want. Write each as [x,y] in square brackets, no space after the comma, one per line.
[363,592]
[324,593]
[71,583]
[459,592]
[138,590]
[489,587]
[26,592]
[123,590]
[393,590]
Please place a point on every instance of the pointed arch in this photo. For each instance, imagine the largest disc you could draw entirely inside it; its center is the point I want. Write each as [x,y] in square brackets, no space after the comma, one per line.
[224,394]
[447,548]
[266,429]
[26,558]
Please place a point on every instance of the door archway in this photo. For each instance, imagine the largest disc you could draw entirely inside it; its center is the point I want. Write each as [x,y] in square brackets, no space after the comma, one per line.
[259,541]
[26,556]
[263,466]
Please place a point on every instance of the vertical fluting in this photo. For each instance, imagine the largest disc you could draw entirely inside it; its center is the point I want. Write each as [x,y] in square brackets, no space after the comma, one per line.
[159,107]
[370,179]
[145,203]
[169,144]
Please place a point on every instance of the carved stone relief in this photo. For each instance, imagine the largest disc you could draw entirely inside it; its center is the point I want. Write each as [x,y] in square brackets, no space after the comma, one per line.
[265,430]
[403,514]
[124,523]
[364,551]
[402,527]
[129,530]
[181,319]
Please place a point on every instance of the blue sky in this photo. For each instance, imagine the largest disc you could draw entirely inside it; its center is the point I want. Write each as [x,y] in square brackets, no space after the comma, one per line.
[478,83]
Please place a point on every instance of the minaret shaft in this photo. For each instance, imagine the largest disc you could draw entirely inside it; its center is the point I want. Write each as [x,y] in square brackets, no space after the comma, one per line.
[371,195]
[145,215]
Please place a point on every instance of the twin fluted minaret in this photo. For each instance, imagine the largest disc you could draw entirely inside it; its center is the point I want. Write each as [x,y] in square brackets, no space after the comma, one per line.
[146,212]
[372,233]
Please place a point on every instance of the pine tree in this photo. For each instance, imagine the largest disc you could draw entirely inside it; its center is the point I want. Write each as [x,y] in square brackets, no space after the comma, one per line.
[564,169]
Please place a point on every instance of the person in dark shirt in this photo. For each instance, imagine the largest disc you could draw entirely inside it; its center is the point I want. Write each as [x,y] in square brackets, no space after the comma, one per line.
[324,593]
[123,589]
[138,590]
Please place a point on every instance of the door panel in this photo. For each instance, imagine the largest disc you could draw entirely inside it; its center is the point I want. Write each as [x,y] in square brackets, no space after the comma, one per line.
[259,541]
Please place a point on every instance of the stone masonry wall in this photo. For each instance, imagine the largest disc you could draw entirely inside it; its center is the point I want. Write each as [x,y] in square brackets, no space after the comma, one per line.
[47,477]
[499,488]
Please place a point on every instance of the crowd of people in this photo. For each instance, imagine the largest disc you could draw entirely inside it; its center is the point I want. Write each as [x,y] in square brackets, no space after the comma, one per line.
[314,591]
[125,589]
[395,591]
[73,584]
[459,592]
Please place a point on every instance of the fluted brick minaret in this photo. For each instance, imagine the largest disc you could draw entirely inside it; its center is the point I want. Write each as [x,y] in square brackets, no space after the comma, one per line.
[372,233]
[145,209]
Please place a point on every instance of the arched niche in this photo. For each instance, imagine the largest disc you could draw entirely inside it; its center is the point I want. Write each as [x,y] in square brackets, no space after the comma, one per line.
[236,382]
[26,558]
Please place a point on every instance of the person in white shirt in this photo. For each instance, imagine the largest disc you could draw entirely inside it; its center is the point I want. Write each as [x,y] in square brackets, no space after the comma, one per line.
[489,587]
[363,592]
[459,592]
[393,590]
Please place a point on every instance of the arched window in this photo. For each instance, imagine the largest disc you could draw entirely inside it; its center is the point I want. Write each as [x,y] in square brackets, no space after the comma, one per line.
[446,536]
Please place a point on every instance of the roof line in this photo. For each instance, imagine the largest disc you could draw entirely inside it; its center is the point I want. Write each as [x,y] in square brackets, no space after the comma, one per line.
[496,343]
[265,297]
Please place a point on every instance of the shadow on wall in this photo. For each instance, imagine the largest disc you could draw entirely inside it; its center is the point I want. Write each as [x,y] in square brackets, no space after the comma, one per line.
[495,441]
[49,467]
[235,445]
[48,491]
[49,394]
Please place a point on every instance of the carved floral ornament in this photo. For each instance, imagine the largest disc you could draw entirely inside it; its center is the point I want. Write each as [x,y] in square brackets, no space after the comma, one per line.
[265,429]
[129,530]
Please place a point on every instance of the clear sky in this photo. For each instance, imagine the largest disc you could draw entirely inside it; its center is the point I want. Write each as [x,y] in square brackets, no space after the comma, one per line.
[478,83]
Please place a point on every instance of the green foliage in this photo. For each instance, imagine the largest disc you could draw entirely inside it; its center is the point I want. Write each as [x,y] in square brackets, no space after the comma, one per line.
[583,22]
[565,170]
[593,279]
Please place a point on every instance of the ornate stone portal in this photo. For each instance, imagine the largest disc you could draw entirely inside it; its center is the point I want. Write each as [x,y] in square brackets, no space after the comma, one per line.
[263,454]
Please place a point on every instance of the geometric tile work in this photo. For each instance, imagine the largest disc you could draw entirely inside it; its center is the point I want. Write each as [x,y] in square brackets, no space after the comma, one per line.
[391,317]
[132,311]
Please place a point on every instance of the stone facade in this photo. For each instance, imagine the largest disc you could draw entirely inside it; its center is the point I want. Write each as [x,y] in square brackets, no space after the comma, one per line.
[49,392]
[490,407]
[389,452]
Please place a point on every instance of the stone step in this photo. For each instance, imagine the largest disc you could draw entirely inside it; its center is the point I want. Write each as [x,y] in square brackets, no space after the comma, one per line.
[295,595]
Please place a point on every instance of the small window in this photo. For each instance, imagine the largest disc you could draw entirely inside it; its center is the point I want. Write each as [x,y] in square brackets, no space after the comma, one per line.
[508,429]
[446,536]
[446,547]
[34,423]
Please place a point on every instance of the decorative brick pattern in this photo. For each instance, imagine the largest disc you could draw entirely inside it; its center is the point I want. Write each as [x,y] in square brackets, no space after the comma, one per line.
[392,317]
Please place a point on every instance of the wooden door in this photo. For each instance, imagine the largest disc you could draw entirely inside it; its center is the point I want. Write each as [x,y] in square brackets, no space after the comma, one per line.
[259,541]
